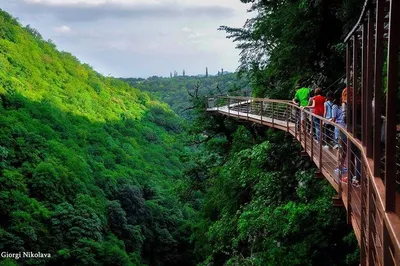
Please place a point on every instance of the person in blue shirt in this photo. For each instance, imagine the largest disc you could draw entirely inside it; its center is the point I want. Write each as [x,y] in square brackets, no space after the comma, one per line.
[339,116]
[329,129]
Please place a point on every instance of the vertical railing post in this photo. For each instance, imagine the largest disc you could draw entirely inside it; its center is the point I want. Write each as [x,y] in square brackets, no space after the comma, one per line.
[247,104]
[273,113]
[369,86]
[288,115]
[391,105]
[262,108]
[387,256]
[250,103]
[338,164]
[238,107]
[301,112]
[229,106]
[363,84]
[379,48]
[370,220]
[305,133]
[353,129]
[312,139]
[349,209]
[320,143]
[348,77]
[362,229]
[355,85]
[348,120]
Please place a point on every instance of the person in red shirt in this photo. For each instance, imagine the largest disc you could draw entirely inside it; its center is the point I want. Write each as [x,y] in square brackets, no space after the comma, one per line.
[318,109]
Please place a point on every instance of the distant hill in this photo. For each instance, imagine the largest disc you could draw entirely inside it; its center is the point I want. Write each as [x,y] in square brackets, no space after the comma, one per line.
[175,90]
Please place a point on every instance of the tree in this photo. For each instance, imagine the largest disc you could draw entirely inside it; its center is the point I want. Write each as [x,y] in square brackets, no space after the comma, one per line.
[117,218]
[71,223]
[132,201]
[288,41]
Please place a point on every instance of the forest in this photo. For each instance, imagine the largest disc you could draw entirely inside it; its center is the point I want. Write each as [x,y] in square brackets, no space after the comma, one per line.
[90,168]
[177,91]
[103,171]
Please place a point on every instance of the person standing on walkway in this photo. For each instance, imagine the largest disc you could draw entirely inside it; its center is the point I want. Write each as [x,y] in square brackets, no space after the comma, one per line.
[318,109]
[355,155]
[338,116]
[328,129]
[301,97]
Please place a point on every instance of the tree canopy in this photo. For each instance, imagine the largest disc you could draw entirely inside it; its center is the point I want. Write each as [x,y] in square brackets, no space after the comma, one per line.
[90,168]
[288,41]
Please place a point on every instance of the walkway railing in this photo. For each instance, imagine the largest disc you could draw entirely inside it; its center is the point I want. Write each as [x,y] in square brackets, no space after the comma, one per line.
[372,69]
[344,162]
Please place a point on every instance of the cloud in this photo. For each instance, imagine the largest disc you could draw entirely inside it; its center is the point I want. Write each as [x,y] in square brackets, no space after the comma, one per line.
[61,29]
[79,11]
[138,37]
[186,29]
[202,42]
[195,35]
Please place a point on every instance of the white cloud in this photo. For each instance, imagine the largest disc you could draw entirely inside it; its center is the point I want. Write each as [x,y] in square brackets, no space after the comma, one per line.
[195,35]
[62,29]
[186,29]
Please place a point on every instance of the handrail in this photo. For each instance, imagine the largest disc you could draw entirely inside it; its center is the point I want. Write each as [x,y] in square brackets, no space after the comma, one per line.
[377,28]
[358,24]
[350,136]
[250,98]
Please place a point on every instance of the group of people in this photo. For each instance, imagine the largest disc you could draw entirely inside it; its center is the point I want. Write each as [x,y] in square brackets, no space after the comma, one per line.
[333,107]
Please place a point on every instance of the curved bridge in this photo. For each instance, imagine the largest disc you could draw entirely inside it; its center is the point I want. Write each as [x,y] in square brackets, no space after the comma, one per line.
[363,165]
[363,194]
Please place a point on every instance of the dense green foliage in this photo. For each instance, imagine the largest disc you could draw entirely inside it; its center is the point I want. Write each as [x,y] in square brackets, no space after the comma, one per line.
[90,168]
[287,41]
[178,91]
[262,203]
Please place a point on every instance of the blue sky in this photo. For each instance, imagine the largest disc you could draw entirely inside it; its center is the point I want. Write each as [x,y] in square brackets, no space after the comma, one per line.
[138,38]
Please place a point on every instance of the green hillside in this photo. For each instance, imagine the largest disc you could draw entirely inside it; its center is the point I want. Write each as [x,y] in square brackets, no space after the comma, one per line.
[179,91]
[90,168]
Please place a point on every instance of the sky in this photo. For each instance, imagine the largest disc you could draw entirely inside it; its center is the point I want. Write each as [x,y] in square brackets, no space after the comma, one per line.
[138,38]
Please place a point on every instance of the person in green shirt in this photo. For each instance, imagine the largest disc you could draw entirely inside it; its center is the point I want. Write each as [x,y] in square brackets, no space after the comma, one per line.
[302,95]
[301,98]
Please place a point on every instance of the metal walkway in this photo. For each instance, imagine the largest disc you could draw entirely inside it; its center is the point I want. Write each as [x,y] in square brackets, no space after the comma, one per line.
[363,195]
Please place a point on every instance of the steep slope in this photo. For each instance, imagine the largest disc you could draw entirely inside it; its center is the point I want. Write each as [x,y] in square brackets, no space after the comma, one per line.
[89,166]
